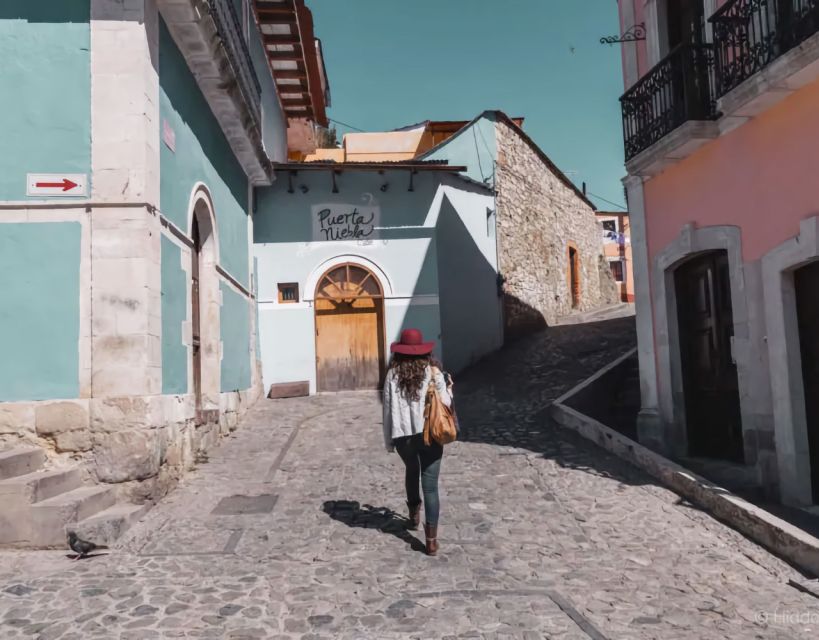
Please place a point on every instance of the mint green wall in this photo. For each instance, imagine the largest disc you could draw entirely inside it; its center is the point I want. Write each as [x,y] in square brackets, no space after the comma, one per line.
[40,311]
[235,326]
[174,313]
[474,147]
[46,127]
[202,155]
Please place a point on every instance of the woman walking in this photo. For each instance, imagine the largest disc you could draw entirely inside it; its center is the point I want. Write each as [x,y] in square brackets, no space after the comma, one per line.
[409,375]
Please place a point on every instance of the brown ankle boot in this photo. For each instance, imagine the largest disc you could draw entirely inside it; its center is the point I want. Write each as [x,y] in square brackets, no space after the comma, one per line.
[414,516]
[431,532]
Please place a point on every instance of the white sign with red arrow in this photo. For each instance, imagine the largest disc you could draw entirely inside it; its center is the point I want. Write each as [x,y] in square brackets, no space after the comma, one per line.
[57,184]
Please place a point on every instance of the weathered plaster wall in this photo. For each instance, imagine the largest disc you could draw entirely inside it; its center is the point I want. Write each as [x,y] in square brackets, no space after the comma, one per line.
[174,314]
[202,155]
[40,314]
[468,277]
[235,327]
[538,217]
[734,177]
[46,128]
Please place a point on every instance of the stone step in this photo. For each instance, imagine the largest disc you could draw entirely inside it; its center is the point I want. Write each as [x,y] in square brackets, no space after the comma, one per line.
[50,517]
[107,526]
[39,486]
[20,461]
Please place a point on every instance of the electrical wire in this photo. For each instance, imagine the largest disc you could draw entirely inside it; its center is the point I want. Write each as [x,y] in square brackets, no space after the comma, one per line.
[349,126]
[613,204]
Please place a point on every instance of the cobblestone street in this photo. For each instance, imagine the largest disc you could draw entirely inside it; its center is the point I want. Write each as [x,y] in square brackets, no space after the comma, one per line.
[543,535]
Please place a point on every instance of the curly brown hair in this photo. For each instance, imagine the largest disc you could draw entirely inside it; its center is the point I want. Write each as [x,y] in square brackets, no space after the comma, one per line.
[410,373]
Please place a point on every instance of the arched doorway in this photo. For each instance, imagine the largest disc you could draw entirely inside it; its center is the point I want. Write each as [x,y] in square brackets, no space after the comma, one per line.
[709,374]
[204,311]
[349,307]
[806,284]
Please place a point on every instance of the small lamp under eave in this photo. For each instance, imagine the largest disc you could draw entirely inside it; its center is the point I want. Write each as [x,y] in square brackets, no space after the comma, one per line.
[412,183]
[335,186]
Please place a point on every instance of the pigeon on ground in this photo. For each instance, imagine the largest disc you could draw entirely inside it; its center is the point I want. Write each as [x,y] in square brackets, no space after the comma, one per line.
[82,547]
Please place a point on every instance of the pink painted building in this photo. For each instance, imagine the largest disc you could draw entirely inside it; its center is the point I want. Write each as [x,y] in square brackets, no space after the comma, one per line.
[721,126]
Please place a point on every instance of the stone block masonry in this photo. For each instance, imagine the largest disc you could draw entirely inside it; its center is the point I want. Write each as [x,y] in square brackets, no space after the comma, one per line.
[539,217]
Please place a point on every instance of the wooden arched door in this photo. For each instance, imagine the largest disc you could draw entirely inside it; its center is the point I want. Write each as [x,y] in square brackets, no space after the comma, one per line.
[349,306]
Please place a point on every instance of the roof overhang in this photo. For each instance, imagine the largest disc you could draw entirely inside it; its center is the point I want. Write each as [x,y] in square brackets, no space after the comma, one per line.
[295,58]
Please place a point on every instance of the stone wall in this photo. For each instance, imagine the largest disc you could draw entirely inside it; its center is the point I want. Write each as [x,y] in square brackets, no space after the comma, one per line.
[538,217]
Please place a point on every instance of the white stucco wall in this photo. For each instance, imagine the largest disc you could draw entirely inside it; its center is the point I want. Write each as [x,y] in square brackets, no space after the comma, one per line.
[403,254]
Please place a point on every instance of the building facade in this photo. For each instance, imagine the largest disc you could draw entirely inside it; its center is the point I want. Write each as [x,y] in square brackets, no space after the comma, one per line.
[617,250]
[719,115]
[140,129]
[350,254]
[550,249]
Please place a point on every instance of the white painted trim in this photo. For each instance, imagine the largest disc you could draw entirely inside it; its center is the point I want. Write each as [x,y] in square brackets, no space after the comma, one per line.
[649,428]
[210,297]
[199,192]
[653,44]
[308,295]
[631,70]
[790,421]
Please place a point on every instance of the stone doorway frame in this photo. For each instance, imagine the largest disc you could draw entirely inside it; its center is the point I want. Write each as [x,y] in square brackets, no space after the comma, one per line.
[790,421]
[690,243]
[202,210]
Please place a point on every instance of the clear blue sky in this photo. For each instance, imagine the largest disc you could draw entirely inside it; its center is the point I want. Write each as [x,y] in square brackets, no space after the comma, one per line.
[396,62]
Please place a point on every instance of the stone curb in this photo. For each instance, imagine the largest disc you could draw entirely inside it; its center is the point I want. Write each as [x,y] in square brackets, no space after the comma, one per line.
[776,535]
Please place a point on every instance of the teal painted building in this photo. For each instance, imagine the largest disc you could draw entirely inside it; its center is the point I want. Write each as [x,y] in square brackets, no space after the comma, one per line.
[129,317]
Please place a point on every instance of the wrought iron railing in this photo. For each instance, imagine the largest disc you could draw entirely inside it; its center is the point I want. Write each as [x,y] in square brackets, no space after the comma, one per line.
[229,27]
[678,89]
[750,34]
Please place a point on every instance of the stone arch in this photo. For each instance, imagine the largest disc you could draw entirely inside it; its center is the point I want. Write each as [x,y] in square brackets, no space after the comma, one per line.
[788,396]
[322,268]
[206,347]
[693,242]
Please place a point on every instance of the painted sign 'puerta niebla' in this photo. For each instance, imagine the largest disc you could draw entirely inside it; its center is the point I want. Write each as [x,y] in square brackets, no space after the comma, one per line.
[344,222]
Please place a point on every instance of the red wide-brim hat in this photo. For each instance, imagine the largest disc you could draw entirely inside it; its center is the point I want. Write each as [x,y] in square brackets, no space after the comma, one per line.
[412,344]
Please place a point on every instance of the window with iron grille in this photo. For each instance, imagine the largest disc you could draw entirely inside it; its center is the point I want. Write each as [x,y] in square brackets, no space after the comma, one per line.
[288,292]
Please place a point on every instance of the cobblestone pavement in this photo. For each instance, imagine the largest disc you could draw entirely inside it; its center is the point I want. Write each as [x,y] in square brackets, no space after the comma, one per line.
[543,535]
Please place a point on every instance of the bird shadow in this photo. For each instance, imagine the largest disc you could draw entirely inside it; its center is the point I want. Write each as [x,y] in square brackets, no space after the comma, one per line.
[366,516]
[74,556]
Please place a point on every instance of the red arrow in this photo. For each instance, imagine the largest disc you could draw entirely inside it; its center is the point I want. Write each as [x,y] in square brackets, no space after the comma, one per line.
[66,184]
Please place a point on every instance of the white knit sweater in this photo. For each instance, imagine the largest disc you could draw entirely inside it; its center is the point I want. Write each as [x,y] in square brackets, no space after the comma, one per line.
[405,417]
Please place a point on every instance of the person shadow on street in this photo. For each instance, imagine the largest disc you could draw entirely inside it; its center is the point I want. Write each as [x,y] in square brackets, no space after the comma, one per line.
[359,516]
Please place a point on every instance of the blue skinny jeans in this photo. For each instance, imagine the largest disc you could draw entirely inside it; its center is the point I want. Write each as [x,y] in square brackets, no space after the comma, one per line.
[422,463]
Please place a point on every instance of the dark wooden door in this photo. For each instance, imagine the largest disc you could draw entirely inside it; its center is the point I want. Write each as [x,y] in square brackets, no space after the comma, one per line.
[196,332]
[706,328]
[349,330]
[806,280]
[686,22]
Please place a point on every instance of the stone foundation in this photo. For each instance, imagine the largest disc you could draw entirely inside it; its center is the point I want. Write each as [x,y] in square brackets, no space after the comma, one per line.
[141,444]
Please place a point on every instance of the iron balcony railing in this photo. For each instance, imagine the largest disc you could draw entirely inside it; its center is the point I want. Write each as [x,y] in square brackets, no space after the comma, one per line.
[678,89]
[750,34]
[229,27]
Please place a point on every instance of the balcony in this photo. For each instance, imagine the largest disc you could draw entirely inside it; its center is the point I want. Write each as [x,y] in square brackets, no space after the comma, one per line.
[749,35]
[229,28]
[679,89]
[762,51]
